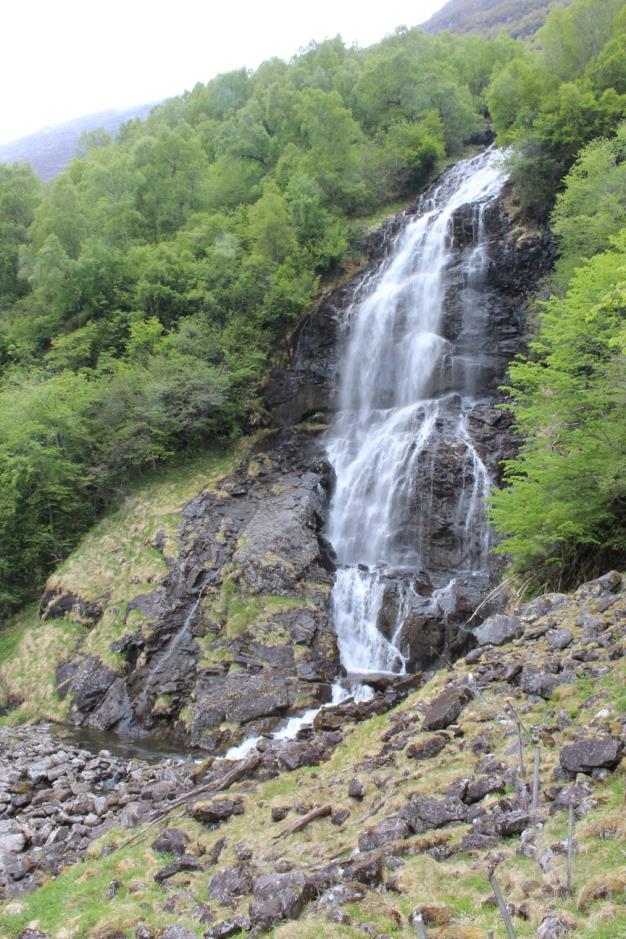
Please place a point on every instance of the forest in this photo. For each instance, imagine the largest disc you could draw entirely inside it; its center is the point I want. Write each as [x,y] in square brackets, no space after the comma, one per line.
[143,291]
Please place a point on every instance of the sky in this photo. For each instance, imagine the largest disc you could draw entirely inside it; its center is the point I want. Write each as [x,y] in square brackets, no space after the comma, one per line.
[63,59]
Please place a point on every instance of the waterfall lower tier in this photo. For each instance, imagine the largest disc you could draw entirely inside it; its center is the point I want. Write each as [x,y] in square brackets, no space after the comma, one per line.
[407,517]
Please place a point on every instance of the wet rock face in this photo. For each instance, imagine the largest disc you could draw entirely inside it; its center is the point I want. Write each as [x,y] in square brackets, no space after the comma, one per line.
[238,634]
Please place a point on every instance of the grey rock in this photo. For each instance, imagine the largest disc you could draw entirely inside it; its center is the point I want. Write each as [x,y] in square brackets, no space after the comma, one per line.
[498,629]
[426,749]
[12,839]
[536,681]
[356,789]
[177,932]
[555,926]
[230,884]
[390,829]
[424,812]
[216,811]
[477,789]
[513,823]
[591,753]
[559,639]
[279,897]
[228,928]
[171,841]
[184,863]
[445,708]
[340,816]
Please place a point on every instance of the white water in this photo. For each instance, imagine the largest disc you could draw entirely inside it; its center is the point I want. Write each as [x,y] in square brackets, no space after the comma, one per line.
[289,730]
[397,379]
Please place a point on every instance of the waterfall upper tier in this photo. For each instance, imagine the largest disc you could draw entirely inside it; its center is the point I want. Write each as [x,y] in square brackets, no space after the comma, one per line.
[408,392]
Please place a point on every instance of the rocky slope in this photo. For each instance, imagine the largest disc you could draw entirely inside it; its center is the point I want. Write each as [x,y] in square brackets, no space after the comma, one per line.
[231,633]
[49,150]
[519,18]
[357,831]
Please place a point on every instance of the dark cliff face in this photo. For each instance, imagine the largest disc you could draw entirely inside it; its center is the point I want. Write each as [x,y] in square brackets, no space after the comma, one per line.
[239,633]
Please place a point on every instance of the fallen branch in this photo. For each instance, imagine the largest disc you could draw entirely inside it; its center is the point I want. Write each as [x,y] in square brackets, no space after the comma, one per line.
[242,768]
[492,594]
[322,811]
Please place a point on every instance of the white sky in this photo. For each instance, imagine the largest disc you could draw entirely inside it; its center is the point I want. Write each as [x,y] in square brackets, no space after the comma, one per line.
[63,59]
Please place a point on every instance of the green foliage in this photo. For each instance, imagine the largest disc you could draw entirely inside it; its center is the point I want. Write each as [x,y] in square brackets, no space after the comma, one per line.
[564,512]
[551,104]
[19,193]
[592,207]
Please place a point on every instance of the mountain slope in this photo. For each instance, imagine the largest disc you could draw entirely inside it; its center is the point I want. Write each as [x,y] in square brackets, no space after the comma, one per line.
[519,18]
[49,150]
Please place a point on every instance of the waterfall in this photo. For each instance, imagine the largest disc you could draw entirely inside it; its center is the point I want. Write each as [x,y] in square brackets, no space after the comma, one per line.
[406,395]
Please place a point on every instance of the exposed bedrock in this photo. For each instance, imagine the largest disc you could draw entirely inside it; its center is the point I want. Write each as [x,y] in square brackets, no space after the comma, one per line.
[238,636]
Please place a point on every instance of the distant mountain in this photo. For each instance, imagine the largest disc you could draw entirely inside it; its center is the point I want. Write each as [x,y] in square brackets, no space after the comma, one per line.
[49,150]
[519,18]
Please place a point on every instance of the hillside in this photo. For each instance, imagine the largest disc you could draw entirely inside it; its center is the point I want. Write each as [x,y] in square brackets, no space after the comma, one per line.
[375,816]
[519,18]
[49,150]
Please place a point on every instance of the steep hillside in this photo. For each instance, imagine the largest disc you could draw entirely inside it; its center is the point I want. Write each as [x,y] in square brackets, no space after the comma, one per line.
[49,150]
[519,18]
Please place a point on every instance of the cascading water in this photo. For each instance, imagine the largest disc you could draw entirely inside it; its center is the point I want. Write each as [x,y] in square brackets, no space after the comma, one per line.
[406,391]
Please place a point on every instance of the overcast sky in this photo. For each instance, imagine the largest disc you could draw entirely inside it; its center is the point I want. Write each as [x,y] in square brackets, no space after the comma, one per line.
[65,58]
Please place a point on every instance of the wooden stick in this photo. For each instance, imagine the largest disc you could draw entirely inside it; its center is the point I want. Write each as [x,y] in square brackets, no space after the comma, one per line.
[320,812]
[520,728]
[495,886]
[420,929]
[493,593]
[242,768]
[570,850]
[536,778]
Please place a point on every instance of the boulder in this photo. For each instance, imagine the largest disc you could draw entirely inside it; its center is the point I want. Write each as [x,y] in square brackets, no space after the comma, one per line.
[426,749]
[559,639]
[445,708]
[279,897]
[184,863]
[477,789]
[356,789]
[12,839]
[228,928]
[230,884]
[591,753]
[536,681]
[498,629]
[513,823]
[171,841]
[177,932]
[424,812]
[390,829]
[556,926]
[210,813]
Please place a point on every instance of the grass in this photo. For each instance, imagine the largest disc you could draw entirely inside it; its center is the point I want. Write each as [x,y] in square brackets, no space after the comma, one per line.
[115,561]
[31,650]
